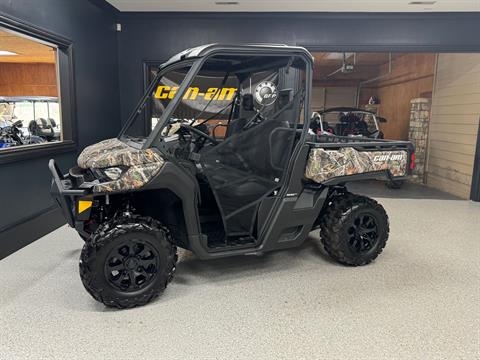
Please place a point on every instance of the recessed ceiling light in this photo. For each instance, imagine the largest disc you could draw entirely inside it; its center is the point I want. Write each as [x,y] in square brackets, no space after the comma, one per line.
[421,2]
[226,2]
[7,53]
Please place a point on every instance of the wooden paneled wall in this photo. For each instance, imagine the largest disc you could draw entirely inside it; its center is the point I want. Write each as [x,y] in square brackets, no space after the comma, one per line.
[327,97]
[454,123]
[411,77]
[32,79]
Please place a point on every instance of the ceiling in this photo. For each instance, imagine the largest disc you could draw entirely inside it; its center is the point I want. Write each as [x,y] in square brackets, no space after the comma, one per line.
[28,51]
[366,66]
[296,5]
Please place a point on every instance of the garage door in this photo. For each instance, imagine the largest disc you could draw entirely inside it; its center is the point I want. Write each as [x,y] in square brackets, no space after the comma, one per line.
[454,123]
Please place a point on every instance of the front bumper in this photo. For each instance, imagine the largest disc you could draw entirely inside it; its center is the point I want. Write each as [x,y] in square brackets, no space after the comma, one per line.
[65,193]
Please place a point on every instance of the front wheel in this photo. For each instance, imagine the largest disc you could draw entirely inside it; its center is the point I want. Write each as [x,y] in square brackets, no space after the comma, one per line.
[127,261]
[354,229]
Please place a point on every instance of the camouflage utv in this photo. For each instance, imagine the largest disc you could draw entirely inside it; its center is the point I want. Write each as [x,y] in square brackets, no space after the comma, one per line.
[217,158]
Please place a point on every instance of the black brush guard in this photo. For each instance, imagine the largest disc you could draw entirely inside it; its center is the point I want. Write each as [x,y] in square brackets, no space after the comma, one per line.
[64,193]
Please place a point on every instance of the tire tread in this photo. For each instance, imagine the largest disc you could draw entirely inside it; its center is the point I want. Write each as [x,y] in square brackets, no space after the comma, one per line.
[334,218]
[108,232]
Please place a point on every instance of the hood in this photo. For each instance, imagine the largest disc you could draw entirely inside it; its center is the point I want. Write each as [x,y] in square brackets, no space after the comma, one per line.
[113,152]
[142,165]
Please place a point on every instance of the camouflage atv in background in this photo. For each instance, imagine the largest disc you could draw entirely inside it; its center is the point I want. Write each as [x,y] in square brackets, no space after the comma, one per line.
[325,164]
[141,165]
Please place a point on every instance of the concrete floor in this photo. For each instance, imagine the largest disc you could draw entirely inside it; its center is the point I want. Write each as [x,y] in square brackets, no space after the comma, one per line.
[419,300]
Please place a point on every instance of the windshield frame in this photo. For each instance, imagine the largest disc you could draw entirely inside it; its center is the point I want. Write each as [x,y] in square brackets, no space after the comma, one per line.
[141,105]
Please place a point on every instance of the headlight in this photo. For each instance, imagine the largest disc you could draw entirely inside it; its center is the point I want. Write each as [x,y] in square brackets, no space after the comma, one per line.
[113,173]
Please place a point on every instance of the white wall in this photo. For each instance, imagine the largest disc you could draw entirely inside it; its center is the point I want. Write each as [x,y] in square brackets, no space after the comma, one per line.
[454,123]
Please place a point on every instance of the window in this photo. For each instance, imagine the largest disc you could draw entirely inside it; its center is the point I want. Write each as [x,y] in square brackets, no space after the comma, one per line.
[36,104]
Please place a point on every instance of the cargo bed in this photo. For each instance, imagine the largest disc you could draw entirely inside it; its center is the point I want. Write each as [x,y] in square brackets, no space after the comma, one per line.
[339,159]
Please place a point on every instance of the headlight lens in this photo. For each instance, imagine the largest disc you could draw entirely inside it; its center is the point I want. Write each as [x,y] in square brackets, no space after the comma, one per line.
[113,173]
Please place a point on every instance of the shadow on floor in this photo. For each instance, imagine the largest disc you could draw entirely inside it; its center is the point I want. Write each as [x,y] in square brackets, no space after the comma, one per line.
[407,191]
[241,267]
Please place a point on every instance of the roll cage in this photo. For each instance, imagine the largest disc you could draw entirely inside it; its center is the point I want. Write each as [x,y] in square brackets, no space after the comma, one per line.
[196,58]
[320,115]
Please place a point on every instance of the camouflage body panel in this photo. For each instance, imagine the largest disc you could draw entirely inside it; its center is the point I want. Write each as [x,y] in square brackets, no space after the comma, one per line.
[326,164]
[142,165]
[113,152]
[134,178]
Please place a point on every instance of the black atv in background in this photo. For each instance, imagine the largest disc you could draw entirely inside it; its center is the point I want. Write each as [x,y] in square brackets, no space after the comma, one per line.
[11,135]
[347,121]
[28,120]
[217,159]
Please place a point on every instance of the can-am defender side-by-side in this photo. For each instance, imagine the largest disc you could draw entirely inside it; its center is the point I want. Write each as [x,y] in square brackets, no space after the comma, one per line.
[217,159]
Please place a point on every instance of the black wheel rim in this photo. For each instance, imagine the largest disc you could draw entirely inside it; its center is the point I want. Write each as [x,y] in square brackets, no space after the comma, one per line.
[131,265]
[363,233]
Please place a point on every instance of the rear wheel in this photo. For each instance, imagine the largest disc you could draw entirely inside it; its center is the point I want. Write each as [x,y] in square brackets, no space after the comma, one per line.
[127,262]
[354,229]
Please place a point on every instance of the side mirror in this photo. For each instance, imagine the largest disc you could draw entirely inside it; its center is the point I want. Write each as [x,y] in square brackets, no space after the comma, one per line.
[247,102]
[381,119]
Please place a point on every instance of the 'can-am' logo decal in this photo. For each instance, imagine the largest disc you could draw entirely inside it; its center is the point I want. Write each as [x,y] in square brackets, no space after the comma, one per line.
[388,157]
[193,93]
[266,93]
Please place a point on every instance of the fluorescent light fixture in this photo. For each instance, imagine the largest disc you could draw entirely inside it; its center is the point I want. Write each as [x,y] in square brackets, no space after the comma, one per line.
[421,2]
[226,2]
[338,56]
[7,53]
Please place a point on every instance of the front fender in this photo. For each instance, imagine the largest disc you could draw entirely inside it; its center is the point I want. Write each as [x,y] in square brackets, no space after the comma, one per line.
[186,187]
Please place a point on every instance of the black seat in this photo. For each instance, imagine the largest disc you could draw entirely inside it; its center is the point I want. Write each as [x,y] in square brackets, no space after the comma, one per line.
[235,127]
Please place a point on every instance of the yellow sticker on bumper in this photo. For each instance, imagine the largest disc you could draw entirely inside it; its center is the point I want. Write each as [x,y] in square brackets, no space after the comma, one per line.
[84,205]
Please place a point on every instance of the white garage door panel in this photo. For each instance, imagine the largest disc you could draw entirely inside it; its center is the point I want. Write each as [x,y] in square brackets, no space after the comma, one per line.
[454,169]
[448,91]
[448,128]
[458,138]
[451,156]
[454,123]
[454,64]
[461,119]
[452,147]
[449,186]
[460,99]
[470,109]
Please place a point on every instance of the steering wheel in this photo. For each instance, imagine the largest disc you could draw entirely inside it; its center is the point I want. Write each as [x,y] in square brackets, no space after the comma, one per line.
[199,133]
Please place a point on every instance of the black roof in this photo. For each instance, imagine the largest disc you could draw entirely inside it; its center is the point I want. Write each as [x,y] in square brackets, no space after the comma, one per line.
[204,50]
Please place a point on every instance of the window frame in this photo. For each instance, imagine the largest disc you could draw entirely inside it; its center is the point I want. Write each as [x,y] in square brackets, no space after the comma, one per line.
[147,65]
[66,93]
